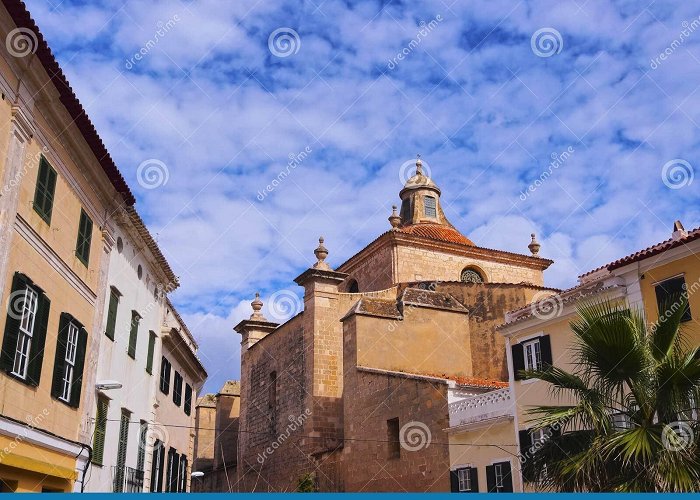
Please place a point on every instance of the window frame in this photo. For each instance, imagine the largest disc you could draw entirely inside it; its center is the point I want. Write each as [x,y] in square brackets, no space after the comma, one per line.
[467,479]
[25,335]
[69,362]
[433,206]
[533,360]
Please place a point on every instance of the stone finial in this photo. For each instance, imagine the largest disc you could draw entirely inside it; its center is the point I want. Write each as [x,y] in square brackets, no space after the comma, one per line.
[394,219]
[678,231]
[419,165]
[321,253]
[257,306]
[534,246]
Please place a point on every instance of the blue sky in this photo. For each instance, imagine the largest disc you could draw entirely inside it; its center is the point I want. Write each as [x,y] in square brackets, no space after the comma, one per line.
[488,92]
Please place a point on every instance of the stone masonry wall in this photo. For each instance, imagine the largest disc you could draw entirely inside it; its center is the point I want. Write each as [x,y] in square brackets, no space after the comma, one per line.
[419,264]
[421,408]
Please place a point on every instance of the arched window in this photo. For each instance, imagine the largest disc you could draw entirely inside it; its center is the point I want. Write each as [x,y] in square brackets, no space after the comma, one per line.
[471,275]
[353,287]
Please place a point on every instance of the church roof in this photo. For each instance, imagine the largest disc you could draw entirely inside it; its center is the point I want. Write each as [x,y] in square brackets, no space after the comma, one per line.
[437,232]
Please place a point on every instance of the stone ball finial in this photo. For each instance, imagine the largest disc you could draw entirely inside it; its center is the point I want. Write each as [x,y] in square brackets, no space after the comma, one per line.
[419,165]
[534,246]
[257,306]
[394,218]
[321,253]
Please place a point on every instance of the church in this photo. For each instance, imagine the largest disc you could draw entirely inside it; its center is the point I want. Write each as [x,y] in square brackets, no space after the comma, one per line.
[352,393]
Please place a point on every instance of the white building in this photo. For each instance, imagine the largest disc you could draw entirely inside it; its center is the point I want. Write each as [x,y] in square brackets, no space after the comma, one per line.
[181,376]
[123,412]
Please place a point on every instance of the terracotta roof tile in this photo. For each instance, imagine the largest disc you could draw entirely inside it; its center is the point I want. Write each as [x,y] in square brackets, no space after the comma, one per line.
[473,381]
[649,251]
[21,17]
[437,232]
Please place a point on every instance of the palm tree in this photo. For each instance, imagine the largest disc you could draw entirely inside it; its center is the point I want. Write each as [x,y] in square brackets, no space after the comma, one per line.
[629,419]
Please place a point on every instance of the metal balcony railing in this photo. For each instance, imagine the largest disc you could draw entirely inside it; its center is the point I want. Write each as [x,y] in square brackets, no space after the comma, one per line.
[127,480]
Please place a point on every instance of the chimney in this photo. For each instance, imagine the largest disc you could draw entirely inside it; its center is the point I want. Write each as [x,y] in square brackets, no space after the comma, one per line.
[679,231]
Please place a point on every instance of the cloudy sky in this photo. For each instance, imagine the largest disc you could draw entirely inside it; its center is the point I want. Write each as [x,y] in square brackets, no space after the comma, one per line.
[202,104]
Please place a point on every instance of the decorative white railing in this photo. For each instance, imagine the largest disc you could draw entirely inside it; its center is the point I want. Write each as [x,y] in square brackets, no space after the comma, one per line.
[485,406]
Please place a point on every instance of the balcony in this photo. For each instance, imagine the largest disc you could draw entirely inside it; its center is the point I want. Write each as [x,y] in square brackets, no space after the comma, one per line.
[127,480]
[482,409]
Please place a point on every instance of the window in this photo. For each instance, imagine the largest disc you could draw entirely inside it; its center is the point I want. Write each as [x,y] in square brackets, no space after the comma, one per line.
[470,275]
[27,322]
[177,389]
[430,206]
[112,313]
[182,475]
[119,474]
[69,361]
[465,479]
[98,443]
[151,348]
[82,247]
[157,467]
[538,437]
[533,355]
[406,210]
[23,341]
[120,244]
[164,375]
[45,188]
[188,399]
[392,435]
[498,478]
[69,365]
[353,287]
[173,469]
[143,433]
[621,421]
[668,294]
[133,334]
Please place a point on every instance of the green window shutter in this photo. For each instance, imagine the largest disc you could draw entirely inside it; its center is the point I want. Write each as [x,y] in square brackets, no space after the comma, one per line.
[133,334]
[121,450]
[9,341]
[44,192]
[164,375]
[151,348]
[177,388]
[98,445]
[76,388]
[112,314]
[36,354]
[155,469]
[141,459]
[82,247]
[60,358]
[161,471]
[188,399]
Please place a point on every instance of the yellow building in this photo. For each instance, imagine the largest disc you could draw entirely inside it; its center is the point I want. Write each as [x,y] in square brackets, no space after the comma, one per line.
[495,426]
[58,184]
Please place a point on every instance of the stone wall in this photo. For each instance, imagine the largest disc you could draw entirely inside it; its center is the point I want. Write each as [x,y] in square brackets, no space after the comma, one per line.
[374,272]
[419,264]
[420,406]
[205,436]
[487,304]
